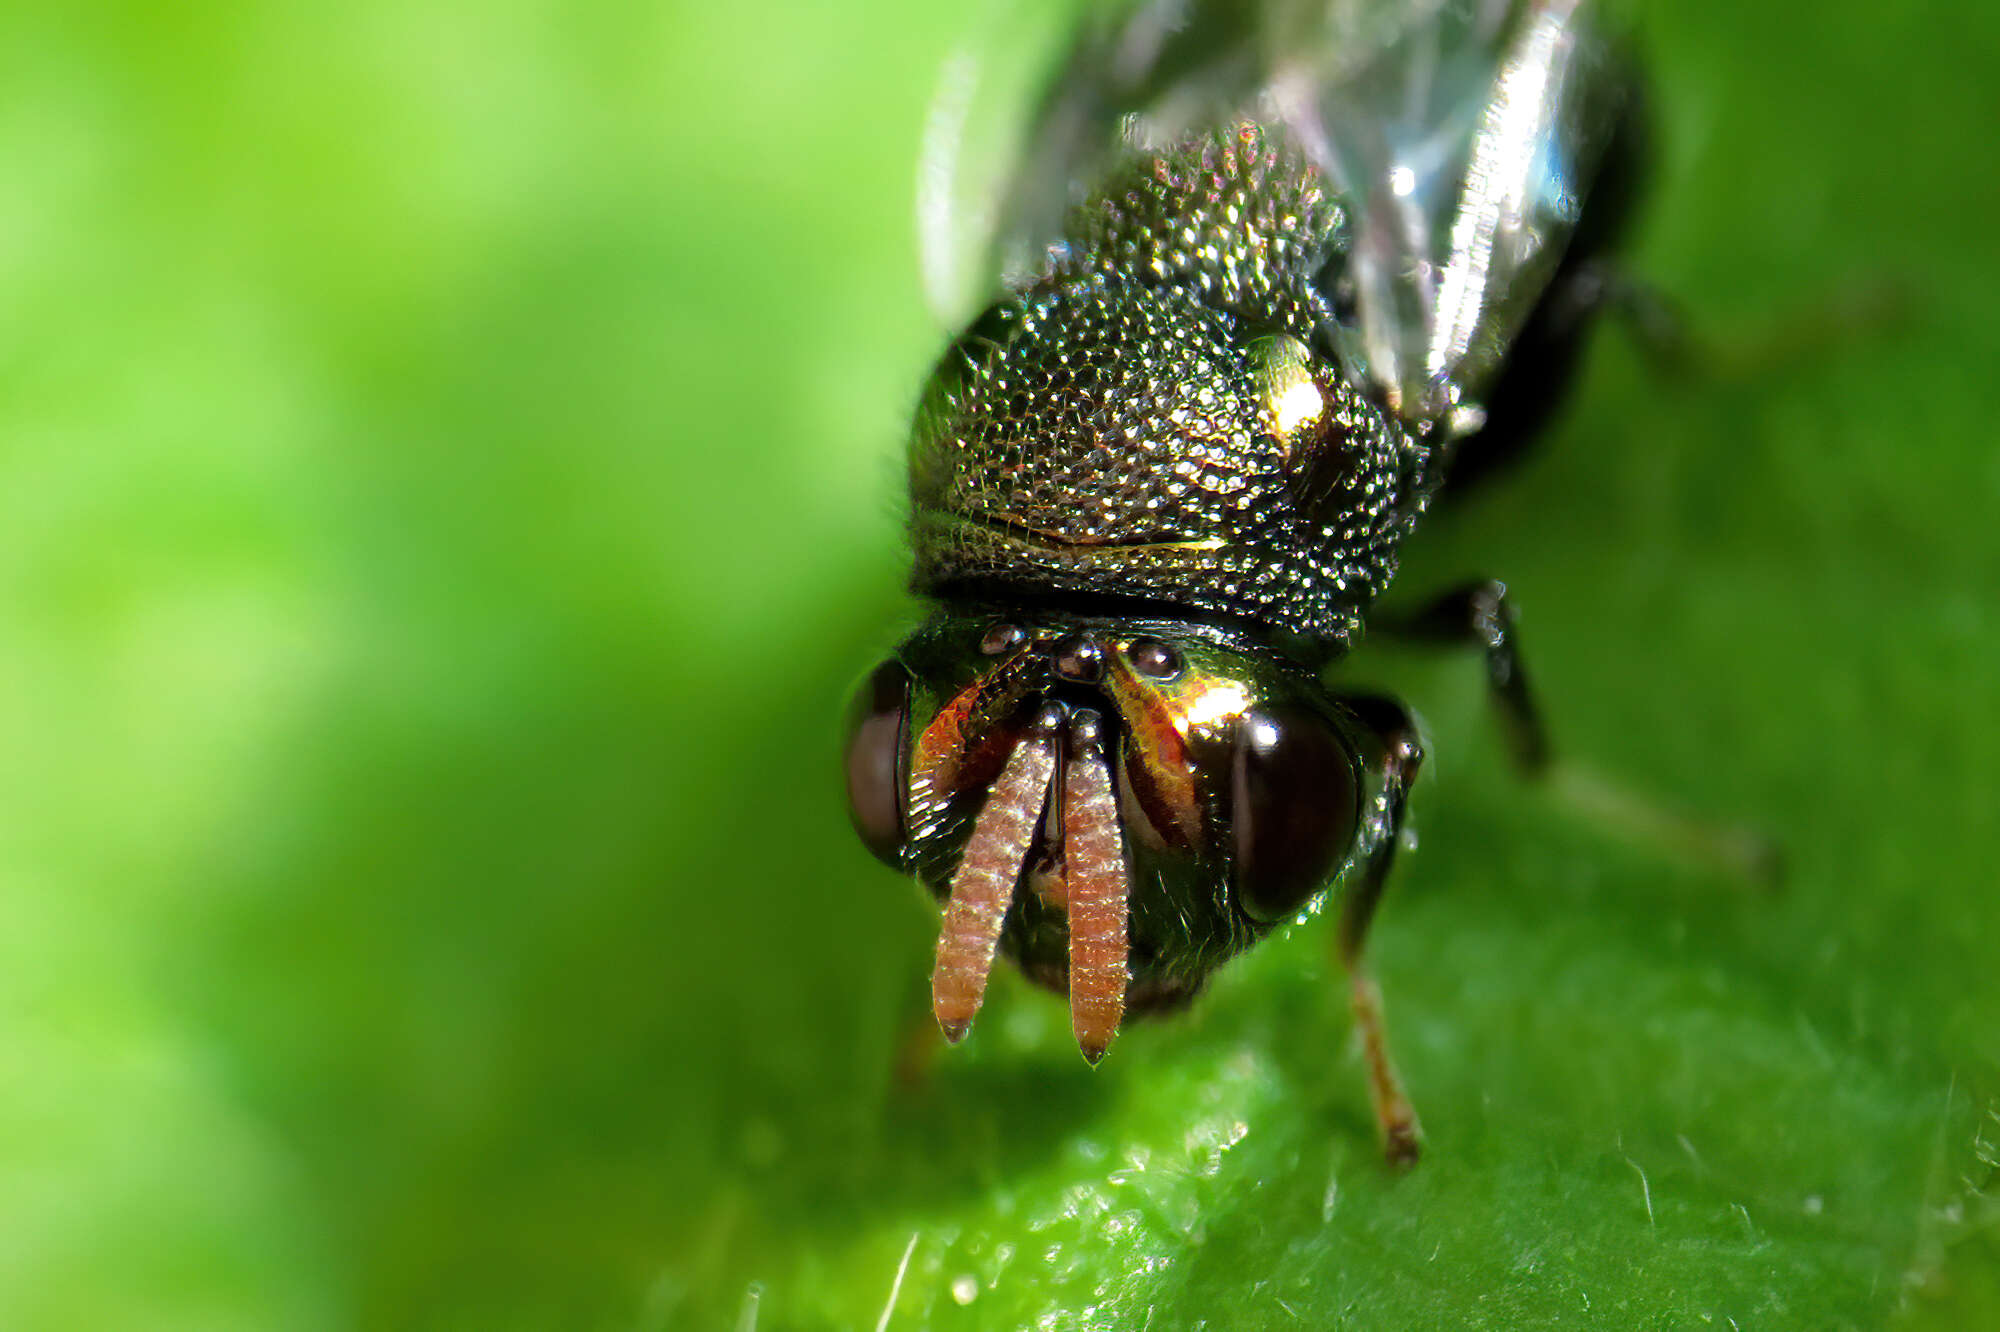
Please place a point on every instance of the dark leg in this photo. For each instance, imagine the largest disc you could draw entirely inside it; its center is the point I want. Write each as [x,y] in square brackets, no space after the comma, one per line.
[1670,343]
[1479,615]
[1476,614]
[1543,362]
[1401,755]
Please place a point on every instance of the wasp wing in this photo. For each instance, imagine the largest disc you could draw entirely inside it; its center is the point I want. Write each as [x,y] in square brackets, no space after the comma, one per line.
[1465,150]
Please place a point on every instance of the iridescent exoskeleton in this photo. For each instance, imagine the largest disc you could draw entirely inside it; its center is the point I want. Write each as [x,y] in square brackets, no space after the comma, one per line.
[1158,484]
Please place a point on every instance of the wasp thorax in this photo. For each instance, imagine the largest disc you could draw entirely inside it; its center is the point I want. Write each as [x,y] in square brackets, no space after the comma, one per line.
[1117,806]
[1125,440]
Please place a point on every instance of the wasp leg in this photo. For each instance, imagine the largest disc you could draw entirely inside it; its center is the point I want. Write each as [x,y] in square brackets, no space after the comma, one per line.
[1402,754]
[1473,614]
[1479,615]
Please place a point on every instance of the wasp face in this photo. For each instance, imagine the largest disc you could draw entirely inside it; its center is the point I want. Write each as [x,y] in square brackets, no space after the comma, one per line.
[1120,806]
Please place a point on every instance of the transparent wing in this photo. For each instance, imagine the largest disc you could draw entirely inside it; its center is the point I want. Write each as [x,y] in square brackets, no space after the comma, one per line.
[1462,134]
[1464,148]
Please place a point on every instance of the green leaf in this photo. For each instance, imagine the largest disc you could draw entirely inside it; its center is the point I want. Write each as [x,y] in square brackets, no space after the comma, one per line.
[451,464]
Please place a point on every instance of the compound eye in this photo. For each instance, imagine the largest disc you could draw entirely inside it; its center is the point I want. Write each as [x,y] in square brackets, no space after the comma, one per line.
[878,725]
[1297,805]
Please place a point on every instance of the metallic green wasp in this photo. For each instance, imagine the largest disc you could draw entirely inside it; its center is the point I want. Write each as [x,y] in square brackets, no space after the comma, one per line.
[1260,270]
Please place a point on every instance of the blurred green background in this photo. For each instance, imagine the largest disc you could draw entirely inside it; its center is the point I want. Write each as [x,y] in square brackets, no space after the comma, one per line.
[448,484]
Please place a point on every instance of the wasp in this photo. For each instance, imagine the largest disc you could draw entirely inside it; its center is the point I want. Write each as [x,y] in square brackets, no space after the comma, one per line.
[1267,272]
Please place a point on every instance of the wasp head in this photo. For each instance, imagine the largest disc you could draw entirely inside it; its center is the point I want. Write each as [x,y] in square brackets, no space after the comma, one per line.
[1118,805]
